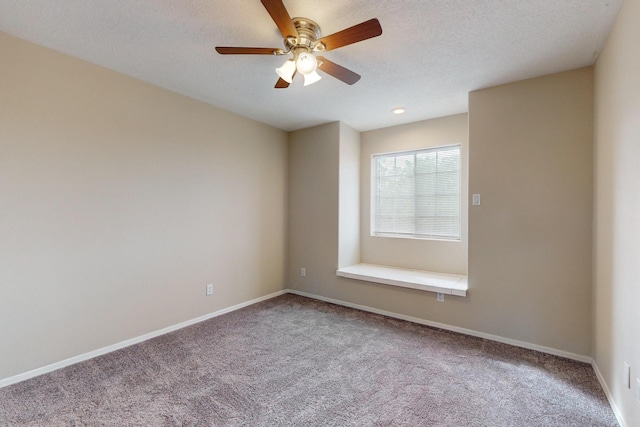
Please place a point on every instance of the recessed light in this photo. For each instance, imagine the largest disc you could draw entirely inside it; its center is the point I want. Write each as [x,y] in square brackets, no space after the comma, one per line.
[398,110]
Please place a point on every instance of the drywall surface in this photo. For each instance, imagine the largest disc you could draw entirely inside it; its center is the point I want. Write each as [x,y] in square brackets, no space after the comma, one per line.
[121,201]
[349,193]
[531,148]
[617,211]
[313,206]
[421,254]
[529,250]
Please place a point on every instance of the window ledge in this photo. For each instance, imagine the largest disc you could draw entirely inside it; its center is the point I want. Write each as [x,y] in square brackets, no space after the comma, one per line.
[451,284]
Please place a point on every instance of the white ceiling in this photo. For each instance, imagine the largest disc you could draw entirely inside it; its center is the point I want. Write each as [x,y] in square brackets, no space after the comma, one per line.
[430,55]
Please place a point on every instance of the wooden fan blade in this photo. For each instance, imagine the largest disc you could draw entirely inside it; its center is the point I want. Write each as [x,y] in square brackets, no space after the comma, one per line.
[281,84]
[281,17]
[357,33]
[247,50]
[338,71]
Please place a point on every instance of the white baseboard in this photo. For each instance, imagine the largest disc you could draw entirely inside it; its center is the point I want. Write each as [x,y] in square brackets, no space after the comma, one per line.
[104,350]
[517,343]
[99,352]
[465,331]
[607,392]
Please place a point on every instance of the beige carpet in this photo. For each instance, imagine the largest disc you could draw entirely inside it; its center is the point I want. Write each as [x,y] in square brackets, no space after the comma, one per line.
[292,361]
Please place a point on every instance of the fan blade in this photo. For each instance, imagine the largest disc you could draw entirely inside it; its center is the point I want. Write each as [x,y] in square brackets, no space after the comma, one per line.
[338,71]
[247,50]
[281,84]
[281,17]
[357,33]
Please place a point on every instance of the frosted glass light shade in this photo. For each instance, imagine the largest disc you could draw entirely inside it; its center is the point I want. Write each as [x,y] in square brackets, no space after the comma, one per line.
[306,63]
[311,78]
[286,71]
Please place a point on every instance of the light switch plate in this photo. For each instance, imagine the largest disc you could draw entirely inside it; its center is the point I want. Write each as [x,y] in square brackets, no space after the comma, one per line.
[627,375]
[476,200]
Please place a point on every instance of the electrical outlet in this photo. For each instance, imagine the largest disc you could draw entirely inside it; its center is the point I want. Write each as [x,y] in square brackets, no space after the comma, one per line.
[209,289]
[440,297]
[303,272]
[627,375]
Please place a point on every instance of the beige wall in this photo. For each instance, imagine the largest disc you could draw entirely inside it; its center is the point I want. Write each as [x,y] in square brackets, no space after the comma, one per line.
[530,241]
[314,171]
[617,211]
[431,255]
[349,193]
[120,202]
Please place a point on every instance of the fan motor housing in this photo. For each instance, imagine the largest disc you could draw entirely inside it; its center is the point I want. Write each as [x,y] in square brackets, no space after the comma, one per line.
[308,33]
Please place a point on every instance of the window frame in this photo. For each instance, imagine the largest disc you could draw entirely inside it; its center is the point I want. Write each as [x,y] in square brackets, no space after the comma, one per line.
[374,195]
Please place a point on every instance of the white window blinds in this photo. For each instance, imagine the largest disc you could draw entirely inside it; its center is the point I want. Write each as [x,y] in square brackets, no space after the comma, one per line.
[417,194]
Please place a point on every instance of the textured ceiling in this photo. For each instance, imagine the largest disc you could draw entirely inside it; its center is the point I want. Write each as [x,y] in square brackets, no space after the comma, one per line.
[430,55]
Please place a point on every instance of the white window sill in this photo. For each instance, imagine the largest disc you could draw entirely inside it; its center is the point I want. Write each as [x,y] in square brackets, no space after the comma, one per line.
[451,284]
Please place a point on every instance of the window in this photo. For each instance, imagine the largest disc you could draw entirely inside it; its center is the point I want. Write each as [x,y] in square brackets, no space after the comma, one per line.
[417,194]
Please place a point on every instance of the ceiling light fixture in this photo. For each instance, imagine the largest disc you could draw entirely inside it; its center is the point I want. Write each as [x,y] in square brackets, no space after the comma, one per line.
[307,64]
[287,70]
[398,110]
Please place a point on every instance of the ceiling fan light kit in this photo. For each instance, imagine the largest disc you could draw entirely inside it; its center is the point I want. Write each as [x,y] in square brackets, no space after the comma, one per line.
[311,78]
[306,63]
[302,37]
[287,70]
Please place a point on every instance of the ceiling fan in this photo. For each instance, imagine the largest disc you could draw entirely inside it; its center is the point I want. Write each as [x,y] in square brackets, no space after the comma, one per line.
[302,38]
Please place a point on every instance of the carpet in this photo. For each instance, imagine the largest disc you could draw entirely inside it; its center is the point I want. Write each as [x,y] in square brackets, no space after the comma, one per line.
[294,361]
